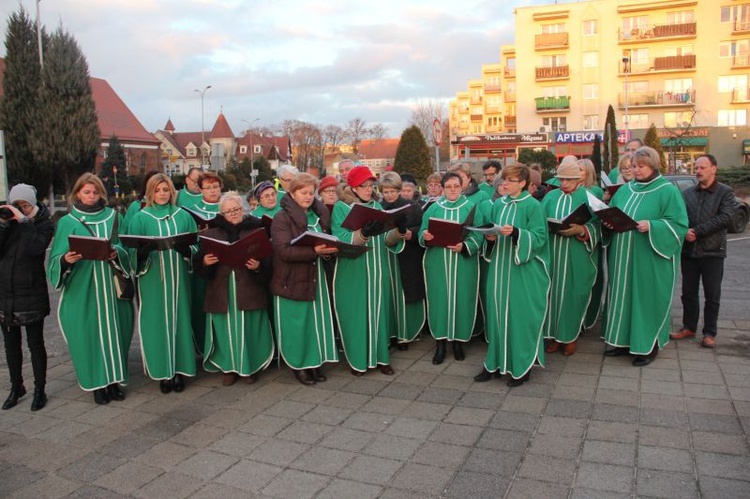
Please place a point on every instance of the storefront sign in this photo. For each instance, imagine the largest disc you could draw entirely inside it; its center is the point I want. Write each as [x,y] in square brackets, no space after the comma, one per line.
[505,138]
[577,137]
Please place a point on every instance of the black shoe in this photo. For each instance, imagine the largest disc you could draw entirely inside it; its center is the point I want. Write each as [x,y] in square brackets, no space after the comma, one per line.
[101,397]
[403,346]
[16,393]
[115,392]
[616,352]
[317,375]
[439,356]
[485,375]
[40,399]
[304,377]
[642,360]
[458,351]
[165,386]
[179,383]
[512,382]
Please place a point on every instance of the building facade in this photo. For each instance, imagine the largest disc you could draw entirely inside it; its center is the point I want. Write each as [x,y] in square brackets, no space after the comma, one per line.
[682,65]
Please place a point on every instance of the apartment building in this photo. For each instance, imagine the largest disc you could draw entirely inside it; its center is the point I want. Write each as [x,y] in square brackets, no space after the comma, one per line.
[682,65]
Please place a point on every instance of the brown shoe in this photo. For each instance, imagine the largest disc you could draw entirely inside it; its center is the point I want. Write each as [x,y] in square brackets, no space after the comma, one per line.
[682,334]
[250,380]
[552,347]
[386,369]
[570,348]
[708,342]
[228,379]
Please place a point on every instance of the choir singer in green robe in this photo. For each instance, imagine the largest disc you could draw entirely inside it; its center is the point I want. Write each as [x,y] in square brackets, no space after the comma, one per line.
[518,281]
[97,326]
[644,263]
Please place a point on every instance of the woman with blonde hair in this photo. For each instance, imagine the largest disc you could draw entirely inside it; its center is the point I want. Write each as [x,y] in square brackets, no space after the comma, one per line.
[164,288]
[97,326]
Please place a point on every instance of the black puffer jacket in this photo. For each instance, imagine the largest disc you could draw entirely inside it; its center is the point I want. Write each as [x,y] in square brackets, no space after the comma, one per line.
[710,212]
[410,259]
[23,285]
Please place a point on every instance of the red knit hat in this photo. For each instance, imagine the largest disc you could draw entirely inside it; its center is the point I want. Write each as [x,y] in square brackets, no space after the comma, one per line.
[359,175]
[327,182]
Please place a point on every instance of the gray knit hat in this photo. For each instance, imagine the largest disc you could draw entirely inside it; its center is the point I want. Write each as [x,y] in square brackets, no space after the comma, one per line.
[22,192]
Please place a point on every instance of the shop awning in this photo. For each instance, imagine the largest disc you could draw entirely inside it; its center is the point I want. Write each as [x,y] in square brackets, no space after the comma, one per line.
[684,141]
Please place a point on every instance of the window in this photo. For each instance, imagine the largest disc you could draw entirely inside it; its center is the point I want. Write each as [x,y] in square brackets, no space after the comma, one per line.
[678,119]
[680,17]
[589,27]
[492,81]
[243,149]
[732,117]
[678,85]
[591,122]
[511,89]
[553,28]
[556,124]
[636,86]
[634,24]
[549,61]
[493,101]
[591,91]
[257,148]
[730,14]
[678,50]
[191,151]
[510,63]
[731,49]
[730,82]
[590,59]
[637,121]
[561,91]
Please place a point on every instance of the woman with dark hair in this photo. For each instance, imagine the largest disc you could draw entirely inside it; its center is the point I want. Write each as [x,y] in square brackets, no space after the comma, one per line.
[302,303]
[518,260]
[268,201]
[643,263]
[25,233]
[239,342]
[97,326]
[164,288]
[451,273]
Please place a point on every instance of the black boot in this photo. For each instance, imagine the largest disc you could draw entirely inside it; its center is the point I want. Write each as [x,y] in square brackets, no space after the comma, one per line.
[165,386]
[101,397]
[178,382]
[485,375]
[40,399]
[115,392]
[317,374]
[458,350]
[644,360]
[512,382]
[16,392]
[439,356]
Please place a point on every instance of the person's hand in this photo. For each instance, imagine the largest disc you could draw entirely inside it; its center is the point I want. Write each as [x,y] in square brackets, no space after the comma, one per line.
[456,248]
[72,257]
[643,226]
[17,215]
[372,228]
[427,236]
[210,259]
[490,237]
[506,230]
[252,264]
[691,236]
[112,254]
[607,225]
[323,250]
[606,197]
[573,230]
[406,236]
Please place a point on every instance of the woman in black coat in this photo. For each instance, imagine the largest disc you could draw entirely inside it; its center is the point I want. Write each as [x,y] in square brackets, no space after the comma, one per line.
[25,233]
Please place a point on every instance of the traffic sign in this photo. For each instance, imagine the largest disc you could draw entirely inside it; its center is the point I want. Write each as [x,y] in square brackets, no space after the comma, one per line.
[437,132]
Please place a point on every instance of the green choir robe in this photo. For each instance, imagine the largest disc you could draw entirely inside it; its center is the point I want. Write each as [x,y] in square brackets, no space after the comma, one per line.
[134,208]
[518,283]
[96,325]
[487,189]
[614,175]
[643,267]
[594,310]
[482,216]
[305,332]
[164,295]
[451,279]
[573,268]
[362,296]
[188,199]
[198,283]
[407,319]
[271,212]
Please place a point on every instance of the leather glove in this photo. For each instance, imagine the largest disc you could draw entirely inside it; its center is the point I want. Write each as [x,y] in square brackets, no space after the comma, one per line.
[183,250]
[372,228]
[145,250]
[574,230]
[401,225]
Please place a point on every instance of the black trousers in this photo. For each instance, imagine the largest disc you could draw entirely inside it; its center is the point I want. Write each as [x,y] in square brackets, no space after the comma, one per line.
[710,271]
[14,356]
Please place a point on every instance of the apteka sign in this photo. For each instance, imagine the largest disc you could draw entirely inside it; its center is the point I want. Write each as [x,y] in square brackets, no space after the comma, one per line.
[577,137]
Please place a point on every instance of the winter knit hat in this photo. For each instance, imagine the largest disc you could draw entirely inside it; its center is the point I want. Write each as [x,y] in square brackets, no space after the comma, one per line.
[23,192]
[266,184]
[327,182]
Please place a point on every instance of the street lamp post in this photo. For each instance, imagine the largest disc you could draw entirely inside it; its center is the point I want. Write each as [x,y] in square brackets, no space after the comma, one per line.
[626,68]
[203,128]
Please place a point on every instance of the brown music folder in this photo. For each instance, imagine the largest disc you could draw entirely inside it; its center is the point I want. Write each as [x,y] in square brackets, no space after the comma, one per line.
[90,247]
[255,245]
[579,216]
[360,215]
[446,233]
[162,243]
[346,250]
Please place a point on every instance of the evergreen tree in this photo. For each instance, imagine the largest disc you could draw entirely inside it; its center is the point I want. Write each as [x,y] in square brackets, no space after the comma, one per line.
[115,158]
[596,156]
[413,155]
[611,153]
[17,107]
[546,159]
[651,139]
[67,137]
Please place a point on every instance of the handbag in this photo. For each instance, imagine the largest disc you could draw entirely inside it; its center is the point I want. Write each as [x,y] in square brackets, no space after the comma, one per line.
[124,285]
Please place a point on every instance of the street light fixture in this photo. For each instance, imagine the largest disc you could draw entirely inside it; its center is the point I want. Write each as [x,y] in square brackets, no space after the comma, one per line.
[626,69]
[203,128]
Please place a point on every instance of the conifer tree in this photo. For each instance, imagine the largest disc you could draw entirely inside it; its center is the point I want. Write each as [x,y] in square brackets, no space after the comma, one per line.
[651,139]
[413,155]
[611,153]
[115,158]
[596,155]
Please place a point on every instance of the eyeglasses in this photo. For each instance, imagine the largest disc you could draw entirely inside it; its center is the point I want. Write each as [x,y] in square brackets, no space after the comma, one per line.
[367,185]
[286,179]
[233,211]
[214,187]
[509,180]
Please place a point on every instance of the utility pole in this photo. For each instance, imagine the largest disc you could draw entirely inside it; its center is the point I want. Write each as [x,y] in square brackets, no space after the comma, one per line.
[203,127]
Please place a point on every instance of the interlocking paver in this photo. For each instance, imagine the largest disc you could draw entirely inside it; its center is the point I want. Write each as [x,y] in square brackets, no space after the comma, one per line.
[666,484]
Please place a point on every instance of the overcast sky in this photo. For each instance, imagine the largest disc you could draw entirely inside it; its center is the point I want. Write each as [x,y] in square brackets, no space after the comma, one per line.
[326,62]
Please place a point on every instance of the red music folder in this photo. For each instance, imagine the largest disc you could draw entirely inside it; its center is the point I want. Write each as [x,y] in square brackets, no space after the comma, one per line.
[90,247]
[360,215]
[255,245]
[446,233]
[346,250]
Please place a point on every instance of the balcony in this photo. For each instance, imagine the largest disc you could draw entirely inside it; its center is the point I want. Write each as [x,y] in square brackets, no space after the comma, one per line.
[510,72]
[510,97]
[494,128]
[658,32]
[475,100]
[667,63]
[657,98]
[552,104]
[510,120]
[552,72]
[492,89]
[741,61]
[476,117]
[551,41]
[740,95]
[741,26]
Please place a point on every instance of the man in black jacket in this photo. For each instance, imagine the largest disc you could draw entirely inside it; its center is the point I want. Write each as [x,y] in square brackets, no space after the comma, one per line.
[710,205]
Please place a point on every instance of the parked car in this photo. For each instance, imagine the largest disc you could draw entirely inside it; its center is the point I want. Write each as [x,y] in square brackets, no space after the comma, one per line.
[740,218]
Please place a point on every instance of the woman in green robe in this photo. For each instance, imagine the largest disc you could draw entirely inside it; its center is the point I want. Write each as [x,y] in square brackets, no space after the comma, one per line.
[451,273]
[96,325]
[644,263]
[302,303]
[361,286]
[164,288]
[518,281]
[268,201]
[239,342]
[574,256]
